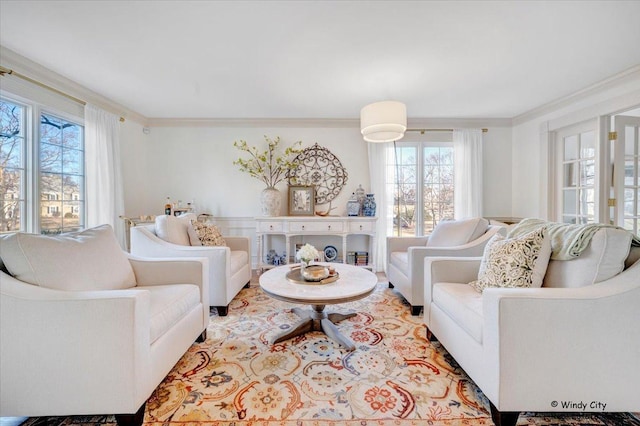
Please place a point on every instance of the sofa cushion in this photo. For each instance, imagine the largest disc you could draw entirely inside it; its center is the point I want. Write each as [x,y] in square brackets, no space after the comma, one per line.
[86,260]
[451,233]
[462,304]
[515,262]
[169,304]
[603,258]
[175,230]
[209,234]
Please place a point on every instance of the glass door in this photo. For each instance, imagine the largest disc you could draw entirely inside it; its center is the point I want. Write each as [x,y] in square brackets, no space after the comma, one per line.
[576,195]
[626,166]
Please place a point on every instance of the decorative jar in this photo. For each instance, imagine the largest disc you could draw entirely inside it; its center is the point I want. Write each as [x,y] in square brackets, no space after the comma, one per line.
[369,206]
[353,206]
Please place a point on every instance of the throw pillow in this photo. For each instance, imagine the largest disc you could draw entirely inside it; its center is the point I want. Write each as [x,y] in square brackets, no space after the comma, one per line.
[451,233]
[209,234]
[86,260]
[514,263]
[175,229]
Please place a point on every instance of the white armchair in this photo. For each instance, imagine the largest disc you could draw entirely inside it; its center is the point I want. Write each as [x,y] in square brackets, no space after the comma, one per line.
[229,266]
[554,348]
[405,255]
[75,340]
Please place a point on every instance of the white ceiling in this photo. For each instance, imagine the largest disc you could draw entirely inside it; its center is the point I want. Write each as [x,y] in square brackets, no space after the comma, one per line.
[327,59]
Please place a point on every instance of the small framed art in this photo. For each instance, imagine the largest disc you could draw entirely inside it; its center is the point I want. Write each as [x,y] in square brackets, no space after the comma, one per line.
[302,200]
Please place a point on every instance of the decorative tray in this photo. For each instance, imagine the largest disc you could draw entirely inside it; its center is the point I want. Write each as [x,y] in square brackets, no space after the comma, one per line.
[295,277]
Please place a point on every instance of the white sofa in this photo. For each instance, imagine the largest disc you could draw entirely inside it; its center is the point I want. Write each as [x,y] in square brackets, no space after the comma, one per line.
[87,329]
[229,265]
[405,255]
[574,340]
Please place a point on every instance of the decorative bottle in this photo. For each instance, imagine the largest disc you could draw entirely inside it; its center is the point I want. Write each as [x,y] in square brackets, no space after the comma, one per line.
[168,207]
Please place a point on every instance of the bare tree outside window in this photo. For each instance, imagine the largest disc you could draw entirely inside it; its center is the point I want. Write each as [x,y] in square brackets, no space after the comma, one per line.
[422,179]
[61,175]
[437,186]
[56,204]
[405,191]
[12,145]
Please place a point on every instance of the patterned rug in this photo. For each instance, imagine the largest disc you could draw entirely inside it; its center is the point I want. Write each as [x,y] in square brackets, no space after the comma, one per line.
[394,377]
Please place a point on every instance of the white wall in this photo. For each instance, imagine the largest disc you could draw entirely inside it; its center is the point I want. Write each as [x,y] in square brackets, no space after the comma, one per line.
[497,172]
[529,154]
[196,162]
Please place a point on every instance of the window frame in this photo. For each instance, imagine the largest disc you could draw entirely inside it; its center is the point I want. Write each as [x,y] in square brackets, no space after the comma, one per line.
[419,147]
[30,220]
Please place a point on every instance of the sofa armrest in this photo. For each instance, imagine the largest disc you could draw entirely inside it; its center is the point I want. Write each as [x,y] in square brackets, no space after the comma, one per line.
[403,243]
[239,244]
[571,332]
[151,271]
[49,335]
[461,270]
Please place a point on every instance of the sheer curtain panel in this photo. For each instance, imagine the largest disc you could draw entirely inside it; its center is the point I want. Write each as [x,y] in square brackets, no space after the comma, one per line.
[105,198]
[467,146]
[380,178]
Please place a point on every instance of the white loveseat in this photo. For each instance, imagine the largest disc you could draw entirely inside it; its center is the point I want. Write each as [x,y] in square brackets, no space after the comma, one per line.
[87,329]
[405,255]
[573,341]
[229,265]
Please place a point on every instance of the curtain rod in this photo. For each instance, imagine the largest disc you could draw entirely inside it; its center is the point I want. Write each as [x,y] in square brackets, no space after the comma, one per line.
[422,131]
[6,71]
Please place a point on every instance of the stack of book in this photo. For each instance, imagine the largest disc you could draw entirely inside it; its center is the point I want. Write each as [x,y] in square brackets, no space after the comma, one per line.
[358,258]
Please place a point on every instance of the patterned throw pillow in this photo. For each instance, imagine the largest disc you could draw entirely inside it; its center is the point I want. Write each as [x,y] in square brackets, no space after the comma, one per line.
[209,234]
[514,263]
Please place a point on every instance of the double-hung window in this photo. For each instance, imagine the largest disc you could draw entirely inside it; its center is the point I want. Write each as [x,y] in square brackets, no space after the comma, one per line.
[42,176]
[422,177]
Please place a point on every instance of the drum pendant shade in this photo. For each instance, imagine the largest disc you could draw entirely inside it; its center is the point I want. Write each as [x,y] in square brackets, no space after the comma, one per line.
[384,121]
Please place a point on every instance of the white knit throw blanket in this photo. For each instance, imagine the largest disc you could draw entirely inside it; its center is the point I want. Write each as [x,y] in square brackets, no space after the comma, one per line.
[567,240]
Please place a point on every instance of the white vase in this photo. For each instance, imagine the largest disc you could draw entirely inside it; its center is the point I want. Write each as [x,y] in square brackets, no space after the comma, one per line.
[270,201]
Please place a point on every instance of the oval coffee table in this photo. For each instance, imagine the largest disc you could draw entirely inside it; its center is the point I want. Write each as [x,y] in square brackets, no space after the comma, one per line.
[353,283]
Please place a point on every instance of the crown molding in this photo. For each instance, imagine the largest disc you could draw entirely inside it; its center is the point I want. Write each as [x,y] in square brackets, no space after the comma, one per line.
[254,122]
[439,123]
[627,75]
[14,61]
[323,122]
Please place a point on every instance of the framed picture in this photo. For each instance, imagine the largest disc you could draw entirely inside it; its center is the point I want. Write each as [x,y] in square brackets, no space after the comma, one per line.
[302,200]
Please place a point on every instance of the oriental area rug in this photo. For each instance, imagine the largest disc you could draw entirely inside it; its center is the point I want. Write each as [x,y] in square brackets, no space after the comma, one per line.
[395,377]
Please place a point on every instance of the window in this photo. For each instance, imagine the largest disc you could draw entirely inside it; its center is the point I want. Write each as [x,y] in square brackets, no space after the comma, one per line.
[12,166]
[422,180]
[42,176]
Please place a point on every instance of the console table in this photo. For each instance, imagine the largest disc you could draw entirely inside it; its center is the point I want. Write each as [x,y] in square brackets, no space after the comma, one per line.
[340,226]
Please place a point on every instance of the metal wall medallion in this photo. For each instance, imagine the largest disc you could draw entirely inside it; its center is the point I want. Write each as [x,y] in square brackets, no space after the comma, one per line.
[319,167]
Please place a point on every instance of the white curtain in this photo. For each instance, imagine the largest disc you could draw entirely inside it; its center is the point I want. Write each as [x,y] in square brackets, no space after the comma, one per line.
[105,197]
[381,154]
[467,147]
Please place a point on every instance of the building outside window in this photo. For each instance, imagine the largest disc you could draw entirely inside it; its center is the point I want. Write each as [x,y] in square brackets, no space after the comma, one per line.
[42,173]
[422,178]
